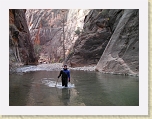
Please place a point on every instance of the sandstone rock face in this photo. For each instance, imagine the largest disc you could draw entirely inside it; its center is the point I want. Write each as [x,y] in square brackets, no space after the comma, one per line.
[44,24]
[75,22]
[97,30]
[121,55]
[107,38]
[46,28]
[20,46]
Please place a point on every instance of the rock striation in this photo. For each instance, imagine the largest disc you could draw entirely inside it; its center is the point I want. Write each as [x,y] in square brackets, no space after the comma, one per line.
[121,55]
[20,46]
[110,39]
[98,27]
[46,28]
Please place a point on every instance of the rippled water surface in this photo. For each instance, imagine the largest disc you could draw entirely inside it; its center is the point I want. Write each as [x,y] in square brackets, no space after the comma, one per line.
[41,88]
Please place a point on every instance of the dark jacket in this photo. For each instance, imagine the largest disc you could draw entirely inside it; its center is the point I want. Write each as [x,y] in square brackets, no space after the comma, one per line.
[65,73]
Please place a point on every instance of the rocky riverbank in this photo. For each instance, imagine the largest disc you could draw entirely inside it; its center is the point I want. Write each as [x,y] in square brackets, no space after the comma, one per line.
[84,68]
[51,67]
[13,66]
[58,67]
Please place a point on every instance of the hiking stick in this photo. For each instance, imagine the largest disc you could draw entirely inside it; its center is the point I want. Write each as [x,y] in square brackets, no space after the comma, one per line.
[56,81]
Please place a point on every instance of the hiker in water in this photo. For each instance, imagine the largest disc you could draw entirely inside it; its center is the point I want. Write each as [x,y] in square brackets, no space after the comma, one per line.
[65,76]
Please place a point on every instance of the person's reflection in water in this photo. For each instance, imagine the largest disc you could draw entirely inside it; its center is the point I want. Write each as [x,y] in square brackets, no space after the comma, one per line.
[66,96]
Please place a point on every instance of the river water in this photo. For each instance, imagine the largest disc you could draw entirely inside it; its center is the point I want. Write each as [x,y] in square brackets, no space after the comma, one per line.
[87,88]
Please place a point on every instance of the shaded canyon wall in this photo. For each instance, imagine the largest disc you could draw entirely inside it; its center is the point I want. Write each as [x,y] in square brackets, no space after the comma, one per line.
[121,55]
[20,46]
[98,27]
[110,40]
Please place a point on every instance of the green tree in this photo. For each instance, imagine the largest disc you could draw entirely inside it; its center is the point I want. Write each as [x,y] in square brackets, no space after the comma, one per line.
[78,31]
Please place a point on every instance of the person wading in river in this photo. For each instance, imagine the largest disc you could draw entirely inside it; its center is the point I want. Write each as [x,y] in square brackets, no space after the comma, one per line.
[65,76]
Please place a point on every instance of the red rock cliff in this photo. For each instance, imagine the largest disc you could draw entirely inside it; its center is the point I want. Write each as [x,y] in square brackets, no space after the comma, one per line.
[21,48]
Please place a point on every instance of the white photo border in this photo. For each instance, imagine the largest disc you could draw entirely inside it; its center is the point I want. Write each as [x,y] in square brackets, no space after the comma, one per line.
[142,109]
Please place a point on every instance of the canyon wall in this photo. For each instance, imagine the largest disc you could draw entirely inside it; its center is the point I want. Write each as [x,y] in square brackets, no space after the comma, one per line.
[98,27]
[108,38]
[121,55]
[20,46]
[46,28]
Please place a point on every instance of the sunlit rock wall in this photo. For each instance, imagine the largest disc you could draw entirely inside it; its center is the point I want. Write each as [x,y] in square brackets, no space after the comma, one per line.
[46,30]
